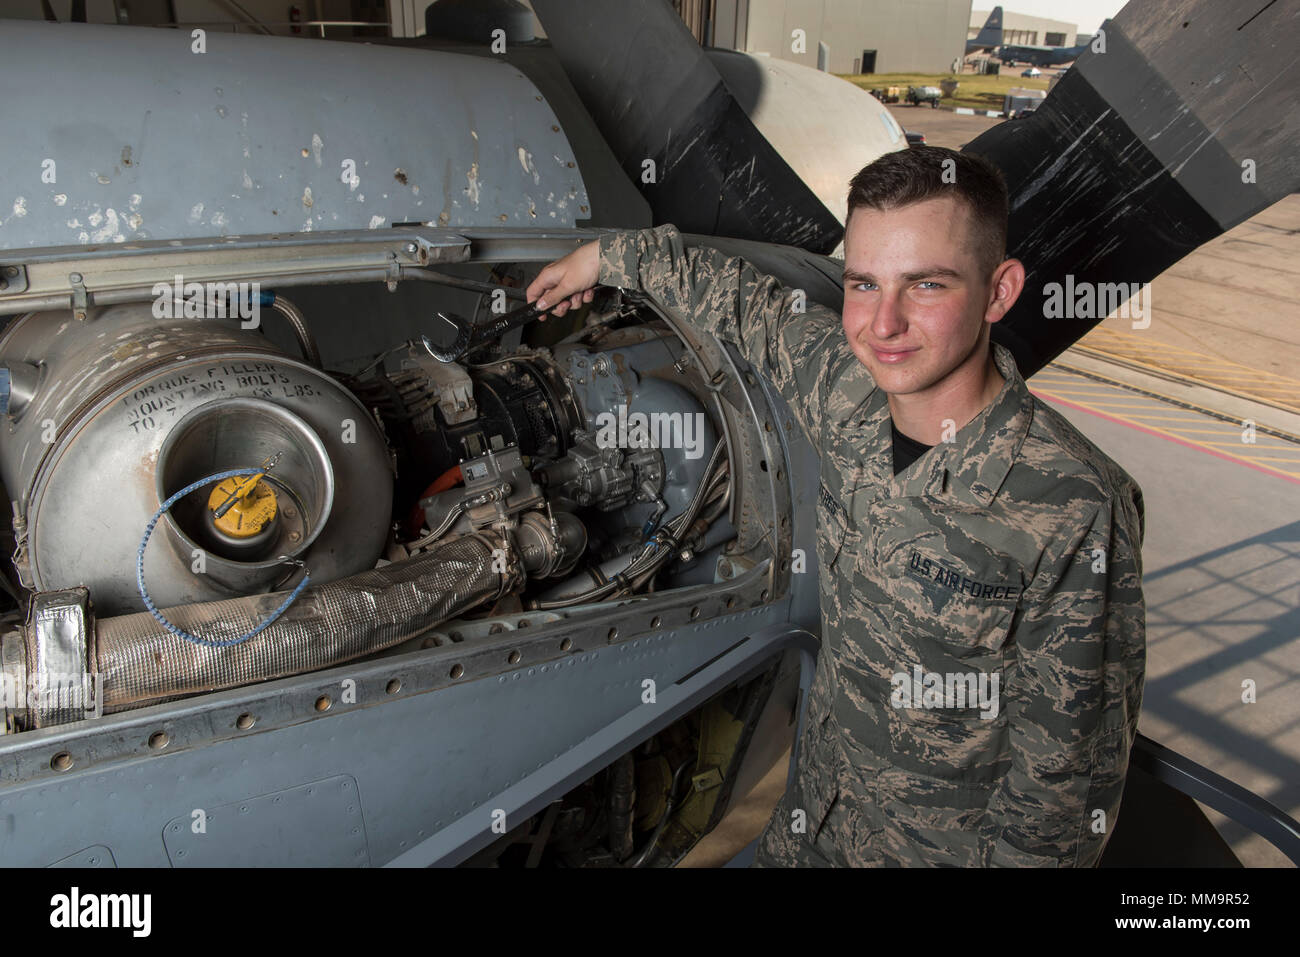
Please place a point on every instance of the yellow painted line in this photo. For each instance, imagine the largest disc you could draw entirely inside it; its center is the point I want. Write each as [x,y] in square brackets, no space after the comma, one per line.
[1227,428]
[1258,457]
[1293,476]
[1253,380]
[1065,388]
[1245,377]
[1209,370]
[1125,342]
[1123,405]
[1099,393]
[1183,418]
[1244,447]
[1224,432]
[1070,379]
[1233,372]
[1117,405]
[1237,443]
[1266,458]
[1074,382]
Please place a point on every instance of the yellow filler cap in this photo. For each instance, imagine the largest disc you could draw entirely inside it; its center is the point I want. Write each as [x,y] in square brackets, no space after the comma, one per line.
[252,509]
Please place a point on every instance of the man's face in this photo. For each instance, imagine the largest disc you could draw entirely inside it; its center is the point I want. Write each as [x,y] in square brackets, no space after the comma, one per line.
[917,304]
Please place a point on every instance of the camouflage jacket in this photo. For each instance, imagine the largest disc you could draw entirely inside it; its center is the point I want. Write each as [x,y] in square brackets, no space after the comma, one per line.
[1010,553]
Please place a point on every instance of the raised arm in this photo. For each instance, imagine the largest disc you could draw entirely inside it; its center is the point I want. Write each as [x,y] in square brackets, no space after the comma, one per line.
[798,347]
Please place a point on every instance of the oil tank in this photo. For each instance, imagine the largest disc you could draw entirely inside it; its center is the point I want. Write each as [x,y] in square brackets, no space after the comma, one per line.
[111,415]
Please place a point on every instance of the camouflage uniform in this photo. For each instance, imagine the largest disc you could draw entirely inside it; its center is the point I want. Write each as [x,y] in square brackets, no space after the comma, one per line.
[1012,550]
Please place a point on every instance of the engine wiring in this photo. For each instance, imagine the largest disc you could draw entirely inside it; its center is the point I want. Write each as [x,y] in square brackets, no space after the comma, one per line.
[661,546]
[443,527]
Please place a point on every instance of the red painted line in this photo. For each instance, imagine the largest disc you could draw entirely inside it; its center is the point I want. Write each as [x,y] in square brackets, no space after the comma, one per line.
[1047,396]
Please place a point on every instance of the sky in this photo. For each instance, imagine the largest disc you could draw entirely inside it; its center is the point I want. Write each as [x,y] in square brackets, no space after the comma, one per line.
[1088,14]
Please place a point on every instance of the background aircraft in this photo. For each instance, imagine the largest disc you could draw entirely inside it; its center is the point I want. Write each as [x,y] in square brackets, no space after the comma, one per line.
[990,35]
[1044,56]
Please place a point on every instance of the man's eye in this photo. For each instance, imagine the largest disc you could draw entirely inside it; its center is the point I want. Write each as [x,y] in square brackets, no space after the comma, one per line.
[930,284]
[865,286]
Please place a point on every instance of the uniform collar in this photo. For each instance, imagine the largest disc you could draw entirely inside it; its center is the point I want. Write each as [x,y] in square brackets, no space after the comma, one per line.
[971,467]
[982,452]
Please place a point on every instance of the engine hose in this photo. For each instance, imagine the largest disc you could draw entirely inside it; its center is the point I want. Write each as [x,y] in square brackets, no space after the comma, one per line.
[144,592]
[143,663]
[437,533]
[298,322]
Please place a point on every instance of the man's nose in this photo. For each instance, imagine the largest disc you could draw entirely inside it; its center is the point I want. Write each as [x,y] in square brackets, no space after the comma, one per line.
[888,320]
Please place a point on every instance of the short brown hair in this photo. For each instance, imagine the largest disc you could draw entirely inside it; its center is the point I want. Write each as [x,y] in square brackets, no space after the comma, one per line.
[918,173]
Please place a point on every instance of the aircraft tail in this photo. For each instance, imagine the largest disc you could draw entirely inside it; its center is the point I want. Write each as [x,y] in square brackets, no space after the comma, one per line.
[990,34]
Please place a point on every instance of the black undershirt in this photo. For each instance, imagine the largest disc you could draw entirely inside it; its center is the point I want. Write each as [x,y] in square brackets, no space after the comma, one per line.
[906,451]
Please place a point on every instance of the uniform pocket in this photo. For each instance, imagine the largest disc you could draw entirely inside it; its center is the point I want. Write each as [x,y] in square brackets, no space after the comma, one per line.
[948,645]
[947,613]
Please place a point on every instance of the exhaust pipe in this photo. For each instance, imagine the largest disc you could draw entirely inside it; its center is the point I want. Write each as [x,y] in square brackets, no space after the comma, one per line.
[139,663]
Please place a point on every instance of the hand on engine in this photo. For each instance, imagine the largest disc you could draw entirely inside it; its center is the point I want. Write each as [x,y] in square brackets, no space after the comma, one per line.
[572,278]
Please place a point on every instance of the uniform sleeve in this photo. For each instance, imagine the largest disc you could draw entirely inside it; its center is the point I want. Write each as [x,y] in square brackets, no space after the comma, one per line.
[1073,697]
[727,297]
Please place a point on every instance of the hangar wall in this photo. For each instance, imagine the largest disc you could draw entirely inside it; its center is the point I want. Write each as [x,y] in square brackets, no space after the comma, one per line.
[1020,29]
[923,36]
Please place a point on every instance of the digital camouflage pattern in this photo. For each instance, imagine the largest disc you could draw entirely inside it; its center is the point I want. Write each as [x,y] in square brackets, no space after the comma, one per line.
[1012,550]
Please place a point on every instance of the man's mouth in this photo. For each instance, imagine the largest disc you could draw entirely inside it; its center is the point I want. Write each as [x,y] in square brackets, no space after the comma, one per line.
[892,355]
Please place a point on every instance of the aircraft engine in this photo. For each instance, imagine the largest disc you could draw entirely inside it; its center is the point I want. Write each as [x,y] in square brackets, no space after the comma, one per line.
[194,508]
[601,430]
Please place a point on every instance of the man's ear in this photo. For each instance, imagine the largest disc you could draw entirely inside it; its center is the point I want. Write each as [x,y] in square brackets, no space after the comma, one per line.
[1008,281]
